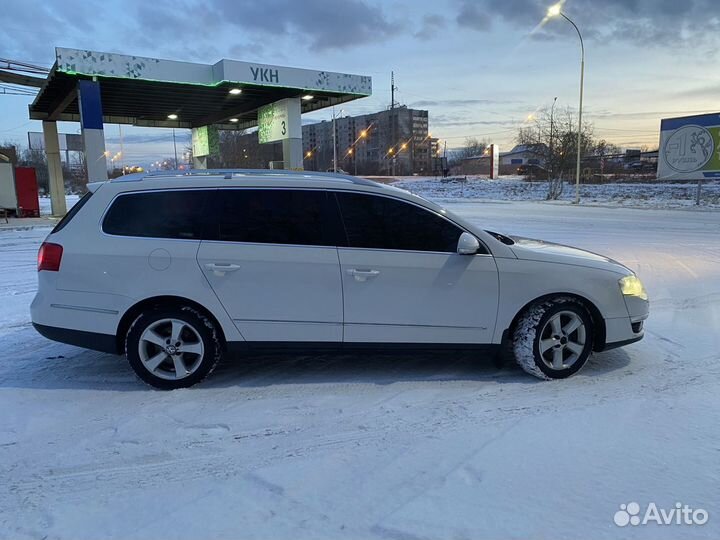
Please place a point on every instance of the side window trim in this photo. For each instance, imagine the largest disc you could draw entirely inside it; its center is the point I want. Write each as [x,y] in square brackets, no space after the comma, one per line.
[485,250]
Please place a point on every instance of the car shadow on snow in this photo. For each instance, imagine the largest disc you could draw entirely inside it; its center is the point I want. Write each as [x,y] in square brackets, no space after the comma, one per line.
[67,367]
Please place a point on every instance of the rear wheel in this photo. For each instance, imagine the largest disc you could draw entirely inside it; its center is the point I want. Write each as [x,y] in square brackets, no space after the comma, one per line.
[553,338]
[172,348]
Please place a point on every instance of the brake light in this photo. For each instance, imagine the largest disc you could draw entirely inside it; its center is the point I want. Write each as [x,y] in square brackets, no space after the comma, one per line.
[49,257]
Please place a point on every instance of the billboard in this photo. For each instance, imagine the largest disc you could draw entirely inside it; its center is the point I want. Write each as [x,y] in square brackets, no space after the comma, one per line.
[68,141]
[689,148]
[279,121]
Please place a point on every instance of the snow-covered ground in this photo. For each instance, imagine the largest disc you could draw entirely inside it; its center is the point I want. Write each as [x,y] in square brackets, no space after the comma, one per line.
[514,188]
[46,207]
[401,447]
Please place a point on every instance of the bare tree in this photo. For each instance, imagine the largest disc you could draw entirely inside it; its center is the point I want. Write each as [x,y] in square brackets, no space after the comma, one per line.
[471,148]
[553,139]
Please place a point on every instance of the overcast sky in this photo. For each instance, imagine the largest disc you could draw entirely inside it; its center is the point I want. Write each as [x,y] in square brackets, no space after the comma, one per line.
[480,67]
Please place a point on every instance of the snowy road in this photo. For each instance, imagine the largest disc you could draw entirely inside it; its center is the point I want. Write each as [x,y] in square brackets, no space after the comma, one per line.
[387,447]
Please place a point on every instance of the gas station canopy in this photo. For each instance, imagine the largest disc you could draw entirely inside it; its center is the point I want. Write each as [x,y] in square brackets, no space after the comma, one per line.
[145,91]
[97,88]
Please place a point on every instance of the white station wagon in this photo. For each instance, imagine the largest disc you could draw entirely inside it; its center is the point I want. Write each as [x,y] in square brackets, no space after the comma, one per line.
[174,270]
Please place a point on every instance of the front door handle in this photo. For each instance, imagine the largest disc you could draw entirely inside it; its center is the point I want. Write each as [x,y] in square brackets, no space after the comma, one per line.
[362,275]
[220,269]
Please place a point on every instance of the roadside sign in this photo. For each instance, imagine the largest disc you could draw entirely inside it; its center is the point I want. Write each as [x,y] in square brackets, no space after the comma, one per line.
[689,148]
[205,141]
[279,121]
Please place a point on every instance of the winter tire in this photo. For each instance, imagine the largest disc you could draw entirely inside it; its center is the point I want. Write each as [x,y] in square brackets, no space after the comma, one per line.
[553,338]
[172,348]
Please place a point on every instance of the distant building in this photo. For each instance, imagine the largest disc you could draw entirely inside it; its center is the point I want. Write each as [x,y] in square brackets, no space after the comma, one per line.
[522,154]
[391,142]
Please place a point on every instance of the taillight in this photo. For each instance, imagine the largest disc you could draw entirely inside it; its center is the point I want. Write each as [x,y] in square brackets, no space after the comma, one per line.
[49,257]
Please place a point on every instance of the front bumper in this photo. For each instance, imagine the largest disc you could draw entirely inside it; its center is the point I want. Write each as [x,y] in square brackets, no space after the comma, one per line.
[623,331]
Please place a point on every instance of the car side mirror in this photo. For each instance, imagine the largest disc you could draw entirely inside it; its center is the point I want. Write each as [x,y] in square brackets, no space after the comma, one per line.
[468,244]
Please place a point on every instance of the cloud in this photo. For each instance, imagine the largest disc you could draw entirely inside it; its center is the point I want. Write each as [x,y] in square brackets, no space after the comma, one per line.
[431,26]
[153,136]
[459,102]
[29,30]
[658,23]
[323,24]
[473,16]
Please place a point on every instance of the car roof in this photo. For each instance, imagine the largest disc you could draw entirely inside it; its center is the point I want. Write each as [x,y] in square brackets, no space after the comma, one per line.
[241,174]
[261,178]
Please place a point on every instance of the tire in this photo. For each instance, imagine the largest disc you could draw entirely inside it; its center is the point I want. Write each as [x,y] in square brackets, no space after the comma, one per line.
[171,348]
[553,338]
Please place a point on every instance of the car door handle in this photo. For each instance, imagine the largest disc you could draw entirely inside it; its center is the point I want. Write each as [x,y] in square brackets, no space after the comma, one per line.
[362,275]
[221,269]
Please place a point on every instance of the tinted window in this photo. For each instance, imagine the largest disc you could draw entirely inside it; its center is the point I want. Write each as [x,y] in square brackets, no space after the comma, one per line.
[159,214]
[72,212]
[380,222]
[273,216]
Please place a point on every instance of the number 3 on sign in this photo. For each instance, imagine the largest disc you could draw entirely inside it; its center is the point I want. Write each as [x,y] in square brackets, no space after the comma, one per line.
[284,130]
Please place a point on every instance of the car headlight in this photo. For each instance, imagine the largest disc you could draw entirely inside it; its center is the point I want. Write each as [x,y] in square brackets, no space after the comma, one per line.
[632,286]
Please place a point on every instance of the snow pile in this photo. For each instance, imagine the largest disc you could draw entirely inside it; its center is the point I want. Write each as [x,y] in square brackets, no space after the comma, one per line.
[514,188]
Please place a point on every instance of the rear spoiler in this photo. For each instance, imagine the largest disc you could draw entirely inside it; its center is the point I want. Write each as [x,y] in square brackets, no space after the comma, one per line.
[93,186]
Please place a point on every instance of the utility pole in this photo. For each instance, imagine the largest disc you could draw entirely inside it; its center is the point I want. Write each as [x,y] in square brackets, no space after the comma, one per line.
[122,150]
[552,156]
[393,123]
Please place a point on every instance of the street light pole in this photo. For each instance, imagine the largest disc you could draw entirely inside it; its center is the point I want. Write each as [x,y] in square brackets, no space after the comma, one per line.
[552,12]
[334,142]
[175,148]
[580,111]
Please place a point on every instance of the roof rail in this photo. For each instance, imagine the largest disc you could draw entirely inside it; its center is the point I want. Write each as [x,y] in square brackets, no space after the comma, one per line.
[229,173]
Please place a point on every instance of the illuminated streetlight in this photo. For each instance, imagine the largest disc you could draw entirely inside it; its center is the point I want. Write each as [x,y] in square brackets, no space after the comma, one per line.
[308,154]
[363,133]
[554,11]
[403,146]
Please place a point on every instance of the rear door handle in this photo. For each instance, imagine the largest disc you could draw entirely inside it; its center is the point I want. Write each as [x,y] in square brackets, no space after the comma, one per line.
[222,269]
[362,275]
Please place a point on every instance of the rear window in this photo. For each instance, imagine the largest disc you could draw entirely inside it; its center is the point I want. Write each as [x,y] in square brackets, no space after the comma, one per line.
[158,214]
[72,212]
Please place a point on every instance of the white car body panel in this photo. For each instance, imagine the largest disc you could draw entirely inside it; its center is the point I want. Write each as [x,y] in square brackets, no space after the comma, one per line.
[278,292]
[418,297]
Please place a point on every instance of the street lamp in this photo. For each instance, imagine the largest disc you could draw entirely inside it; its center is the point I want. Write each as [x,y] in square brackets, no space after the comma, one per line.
[554,11]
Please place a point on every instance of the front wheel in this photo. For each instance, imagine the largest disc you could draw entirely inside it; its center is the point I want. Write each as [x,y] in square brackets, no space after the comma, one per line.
[172,348]
[553,338]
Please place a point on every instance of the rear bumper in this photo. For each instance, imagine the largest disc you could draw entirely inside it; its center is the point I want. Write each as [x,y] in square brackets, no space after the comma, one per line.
[88,340]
